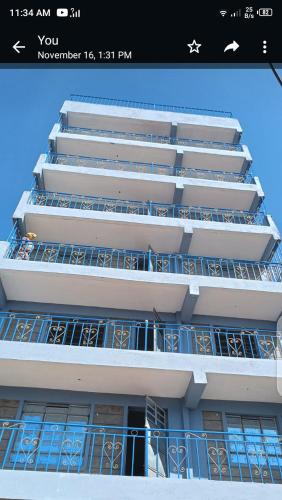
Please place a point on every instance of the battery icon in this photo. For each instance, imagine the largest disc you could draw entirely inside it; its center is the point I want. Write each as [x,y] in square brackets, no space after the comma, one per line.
[265,12]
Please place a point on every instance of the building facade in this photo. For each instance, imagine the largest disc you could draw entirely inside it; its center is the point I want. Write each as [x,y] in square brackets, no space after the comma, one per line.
[141,296]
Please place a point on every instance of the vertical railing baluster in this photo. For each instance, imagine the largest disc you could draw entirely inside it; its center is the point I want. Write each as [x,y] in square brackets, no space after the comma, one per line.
[197,442]
[64,326]
[73,325]
[32,329]
[250,339]
[112,460]
[179,333]
[7,328]
[146,472]
[12,433]
[102,452]
[278,456]
[149,260]
[267,461]
[81,327]
[228,459]
[123,453]
[60,454]
[65,250]
[16,326]
[38,247]
[246,453]
[146,336]
[49,451]
[133,454]
[219,344]
[92,437]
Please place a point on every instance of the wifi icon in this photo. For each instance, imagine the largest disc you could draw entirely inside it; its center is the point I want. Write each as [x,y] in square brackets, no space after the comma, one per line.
[223,12]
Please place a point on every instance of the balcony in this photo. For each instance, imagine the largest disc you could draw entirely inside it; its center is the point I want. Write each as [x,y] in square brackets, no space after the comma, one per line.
[144,261]
[160,139]
[122,279]
[148,168]
[150,452]
[140,335]
[78,141]
[206,214]
[138,225]
[149,118]
[144,181]
[106,355]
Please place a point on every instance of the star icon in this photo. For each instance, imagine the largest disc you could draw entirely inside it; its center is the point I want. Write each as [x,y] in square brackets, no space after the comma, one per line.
[194,46]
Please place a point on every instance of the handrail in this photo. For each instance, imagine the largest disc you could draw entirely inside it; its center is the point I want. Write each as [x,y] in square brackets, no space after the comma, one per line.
[164,324]
[147,105]
[202,433]
[133,207]
[116,450]
[177,263]
[140,335]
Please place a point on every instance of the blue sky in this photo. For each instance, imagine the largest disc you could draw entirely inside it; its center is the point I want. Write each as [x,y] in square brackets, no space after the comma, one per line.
[30,101]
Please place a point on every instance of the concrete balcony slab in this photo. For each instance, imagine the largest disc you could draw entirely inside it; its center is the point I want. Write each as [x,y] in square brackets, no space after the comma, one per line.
[139,232]
[141,186]
[131,150]
[199,126]
[72,284]
[171,375]
[27,485]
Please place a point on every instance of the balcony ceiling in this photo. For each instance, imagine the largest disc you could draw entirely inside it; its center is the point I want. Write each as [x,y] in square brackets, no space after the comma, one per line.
[41,282]
[128,150]
[144,187]
[138,232]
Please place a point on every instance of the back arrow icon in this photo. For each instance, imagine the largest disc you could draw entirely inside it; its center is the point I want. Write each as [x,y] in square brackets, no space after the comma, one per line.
[16,47]
[232,46]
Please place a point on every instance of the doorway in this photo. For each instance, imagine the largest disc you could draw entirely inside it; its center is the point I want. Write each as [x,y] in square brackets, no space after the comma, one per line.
[145,337]
[135,453]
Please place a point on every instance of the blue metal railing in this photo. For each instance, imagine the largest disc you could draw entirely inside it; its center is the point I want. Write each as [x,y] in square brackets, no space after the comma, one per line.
[277,254]
[164,453]
[147,105]
[148,168]
[178,263]
[95,203]
[15,232]
[201,143]
[139,335]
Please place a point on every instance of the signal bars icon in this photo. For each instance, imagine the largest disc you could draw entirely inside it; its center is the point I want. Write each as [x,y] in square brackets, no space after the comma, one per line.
[223,12]
[237,13]
[74,13]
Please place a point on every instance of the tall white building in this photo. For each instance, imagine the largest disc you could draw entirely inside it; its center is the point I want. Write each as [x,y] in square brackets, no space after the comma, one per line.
[140,301]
